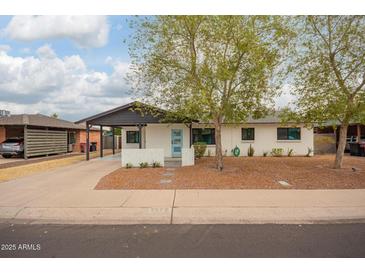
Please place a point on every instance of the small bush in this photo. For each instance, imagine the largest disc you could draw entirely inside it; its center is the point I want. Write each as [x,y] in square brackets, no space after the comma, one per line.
[265,153]
[156,164]
[310,152]
[209,153]
[277,152]
[250,151]
[290,152]
[143,164]
[199,149]
[129,165]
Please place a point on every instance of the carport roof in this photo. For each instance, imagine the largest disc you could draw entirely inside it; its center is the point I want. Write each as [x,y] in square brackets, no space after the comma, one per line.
[38,120]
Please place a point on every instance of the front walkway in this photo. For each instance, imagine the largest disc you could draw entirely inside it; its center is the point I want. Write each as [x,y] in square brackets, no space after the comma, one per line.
[67,195]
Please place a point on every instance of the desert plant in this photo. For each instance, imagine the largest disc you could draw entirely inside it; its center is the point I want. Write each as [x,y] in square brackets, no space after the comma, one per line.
[250,151]
[265,153]
[129,165]
[277,152]
[156,164]
[290,152]
[310,152]
[199,149]
[143,164]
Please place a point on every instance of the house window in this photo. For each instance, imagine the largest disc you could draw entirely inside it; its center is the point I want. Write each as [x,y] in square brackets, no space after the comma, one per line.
[132,137]
[248,134]
[292,133]
[205,135]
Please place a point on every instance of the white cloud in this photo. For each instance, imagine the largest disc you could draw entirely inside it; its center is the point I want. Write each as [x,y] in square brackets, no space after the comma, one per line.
[47,83]
[85,31]
[5,48]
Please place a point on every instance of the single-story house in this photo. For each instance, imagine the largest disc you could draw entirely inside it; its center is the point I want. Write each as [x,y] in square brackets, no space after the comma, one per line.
[148,137]
[44,135]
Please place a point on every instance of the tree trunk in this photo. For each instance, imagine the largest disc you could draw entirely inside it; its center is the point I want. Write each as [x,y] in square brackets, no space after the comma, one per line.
[341,146]
[218,144]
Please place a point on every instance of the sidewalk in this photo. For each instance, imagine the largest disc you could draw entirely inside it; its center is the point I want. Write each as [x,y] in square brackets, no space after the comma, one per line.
[192,207]
[66,195]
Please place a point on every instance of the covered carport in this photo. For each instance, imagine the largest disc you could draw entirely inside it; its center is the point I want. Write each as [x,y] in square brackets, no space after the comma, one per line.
[127,115]
[42,135]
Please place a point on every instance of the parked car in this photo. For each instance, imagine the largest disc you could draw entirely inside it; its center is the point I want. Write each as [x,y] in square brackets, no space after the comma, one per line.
[11,147]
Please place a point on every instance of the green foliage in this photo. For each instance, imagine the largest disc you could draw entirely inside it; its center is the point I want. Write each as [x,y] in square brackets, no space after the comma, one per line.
[199,149]
[250,151]
[265,153]
[143,164]
[129,165]
[290,152]
[277,152]
[210,68]
[156,164]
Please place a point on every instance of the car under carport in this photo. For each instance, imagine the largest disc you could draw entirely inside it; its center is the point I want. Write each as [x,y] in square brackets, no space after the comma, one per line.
[42,135]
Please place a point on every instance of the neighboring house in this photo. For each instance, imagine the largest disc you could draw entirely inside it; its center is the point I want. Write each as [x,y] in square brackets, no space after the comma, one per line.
[44,135]
[326,137]
[148,137]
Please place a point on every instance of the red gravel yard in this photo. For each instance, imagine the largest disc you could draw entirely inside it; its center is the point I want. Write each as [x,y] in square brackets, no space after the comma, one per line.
[245,173]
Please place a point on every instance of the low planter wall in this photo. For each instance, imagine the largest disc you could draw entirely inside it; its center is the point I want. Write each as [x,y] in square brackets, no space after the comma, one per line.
[187,156]
[137,156]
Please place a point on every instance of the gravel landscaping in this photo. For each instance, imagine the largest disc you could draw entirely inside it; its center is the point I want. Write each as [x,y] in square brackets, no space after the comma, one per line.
[245,173]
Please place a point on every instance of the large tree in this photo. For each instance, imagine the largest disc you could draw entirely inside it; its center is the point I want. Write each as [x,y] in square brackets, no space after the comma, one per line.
[216,69]
[329,68]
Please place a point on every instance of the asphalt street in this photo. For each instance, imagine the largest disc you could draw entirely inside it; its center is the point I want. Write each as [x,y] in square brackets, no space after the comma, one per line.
[317,240]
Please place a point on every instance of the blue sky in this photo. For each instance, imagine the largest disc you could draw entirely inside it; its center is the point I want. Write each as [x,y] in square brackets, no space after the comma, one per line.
[74,66]
[38,57]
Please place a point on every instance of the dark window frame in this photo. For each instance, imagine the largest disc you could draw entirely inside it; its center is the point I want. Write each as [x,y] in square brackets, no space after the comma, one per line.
[253,133]
[135,138]
[287,134]
[200,138]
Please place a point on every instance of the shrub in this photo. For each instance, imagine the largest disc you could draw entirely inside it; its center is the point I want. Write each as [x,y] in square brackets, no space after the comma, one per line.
[310,152]
[143,164]
[277,152]
[250,151]
[129,165]
[156,164]
[199,149]
[290,152]
[209,153]
[265,153]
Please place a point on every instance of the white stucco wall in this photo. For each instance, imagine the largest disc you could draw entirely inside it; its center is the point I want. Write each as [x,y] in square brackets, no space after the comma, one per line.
[124,137]
[137,156]
[265,140]
[159,136]
[187,156]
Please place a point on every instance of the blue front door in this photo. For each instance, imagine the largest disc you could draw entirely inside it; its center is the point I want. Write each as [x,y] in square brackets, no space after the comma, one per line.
[176,142]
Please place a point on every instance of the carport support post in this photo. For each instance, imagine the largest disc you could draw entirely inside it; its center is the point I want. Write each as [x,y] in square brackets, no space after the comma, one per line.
[140,136]
[191,134]
[358,133]
[87,141]
[113,136]
[25,142]
[101,142]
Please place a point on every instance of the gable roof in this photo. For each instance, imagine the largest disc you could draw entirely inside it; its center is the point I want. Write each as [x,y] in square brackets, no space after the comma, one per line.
[123,115]
[38,120]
